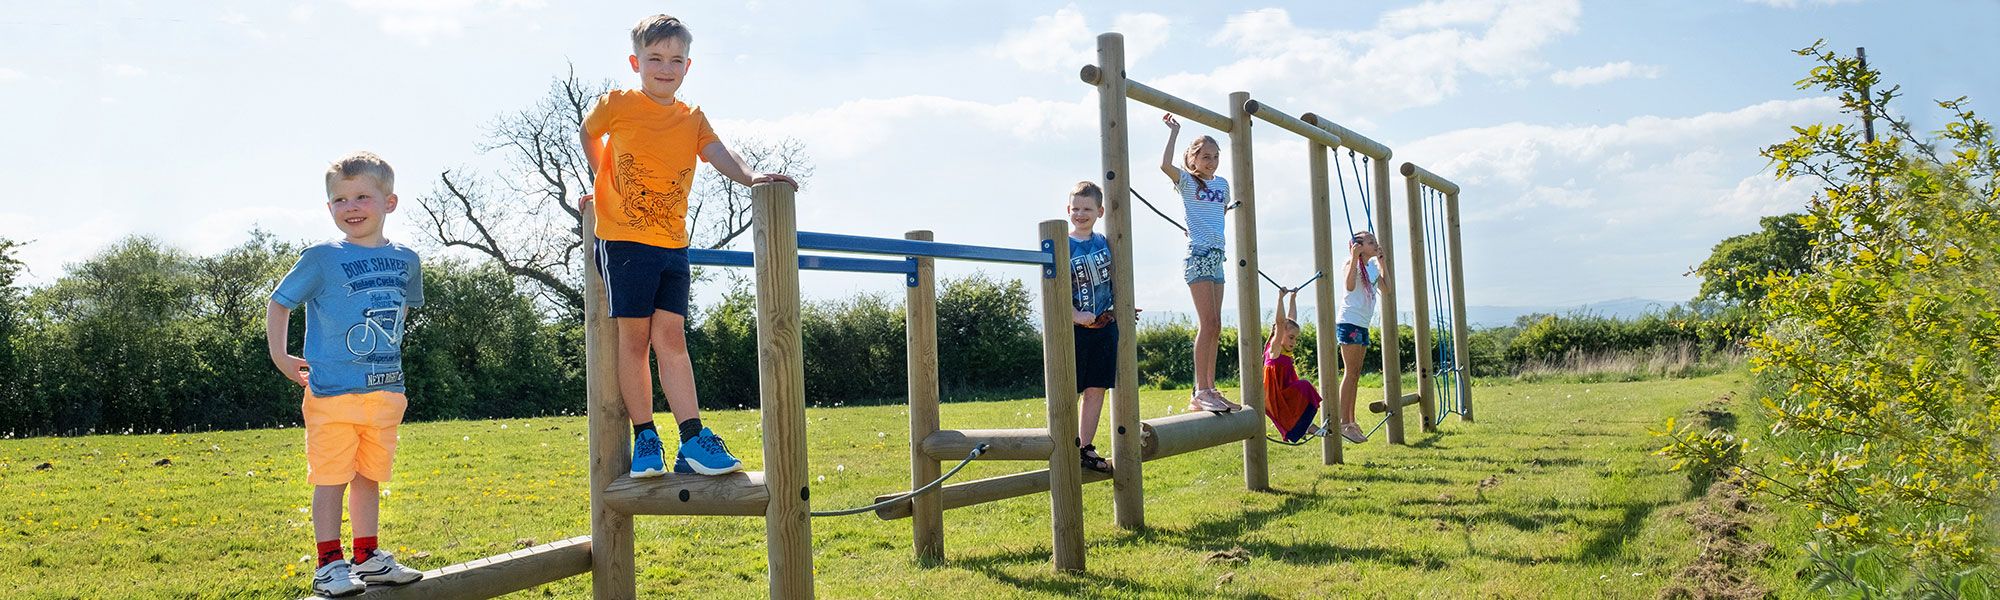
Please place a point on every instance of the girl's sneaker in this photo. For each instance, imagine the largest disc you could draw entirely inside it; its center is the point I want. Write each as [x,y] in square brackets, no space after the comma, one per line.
[382,568]
[706,454]
[1202,401]
[1353,433]
[1216,399]
[336,579]
[646,461]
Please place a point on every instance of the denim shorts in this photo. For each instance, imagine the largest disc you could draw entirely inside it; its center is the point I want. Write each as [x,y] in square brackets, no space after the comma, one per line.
[1204,264]
[1349,333]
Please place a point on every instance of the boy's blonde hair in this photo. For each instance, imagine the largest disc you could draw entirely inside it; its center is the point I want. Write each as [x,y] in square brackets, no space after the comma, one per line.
[651,30]
[1089,189]
[361,164]
[1194,147]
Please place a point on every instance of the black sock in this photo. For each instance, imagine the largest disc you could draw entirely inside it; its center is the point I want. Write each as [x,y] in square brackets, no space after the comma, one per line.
[641,427]
[690,428]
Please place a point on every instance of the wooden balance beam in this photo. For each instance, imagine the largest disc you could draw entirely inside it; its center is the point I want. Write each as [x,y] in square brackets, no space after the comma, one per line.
[1001,444]
[1188,432]
[495,576]
[983,491]
[740,494]
[1380,406]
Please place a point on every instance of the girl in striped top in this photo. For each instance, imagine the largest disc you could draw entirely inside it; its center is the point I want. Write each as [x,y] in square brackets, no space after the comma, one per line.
[1205,196]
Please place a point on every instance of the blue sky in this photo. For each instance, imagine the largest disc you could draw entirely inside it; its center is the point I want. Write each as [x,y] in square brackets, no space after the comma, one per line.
[1604,147]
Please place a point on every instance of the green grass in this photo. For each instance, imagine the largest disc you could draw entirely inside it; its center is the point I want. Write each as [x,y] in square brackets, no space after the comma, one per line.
[1577,510]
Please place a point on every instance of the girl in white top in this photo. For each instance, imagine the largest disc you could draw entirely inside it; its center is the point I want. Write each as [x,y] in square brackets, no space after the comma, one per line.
[1361,279]
[1205,196]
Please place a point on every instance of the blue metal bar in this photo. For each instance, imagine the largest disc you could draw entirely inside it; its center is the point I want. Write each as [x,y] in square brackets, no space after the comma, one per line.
[738,258]
[836,242]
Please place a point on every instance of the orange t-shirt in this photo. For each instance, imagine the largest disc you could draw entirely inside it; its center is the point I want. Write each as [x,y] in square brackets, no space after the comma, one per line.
[647,167]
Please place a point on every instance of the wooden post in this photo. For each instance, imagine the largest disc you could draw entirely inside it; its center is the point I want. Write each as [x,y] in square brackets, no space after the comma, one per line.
[1325,317]
[920,325]
[1461,332]
[782,392]
[1249,313]
[611,555]
[1413,191]
[1392,357]
[1059,386]
[1128,493]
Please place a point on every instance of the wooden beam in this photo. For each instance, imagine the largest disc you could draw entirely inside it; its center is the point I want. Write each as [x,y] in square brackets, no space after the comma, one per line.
[1188,432]
[740,494]
[1348,138]
[1162,100]
[1380,406]
[1291,123]
[1325,313]
[1128,487]
[1249,309]
[1002,444]
[1461,333]
[1059,387]
[1420,301]
[610,443]
[781,389]
[920,336]
[494,576]
[970,493]
[1392,356]
[1411,170]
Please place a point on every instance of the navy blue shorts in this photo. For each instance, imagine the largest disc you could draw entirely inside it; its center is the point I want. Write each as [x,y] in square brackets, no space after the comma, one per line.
[1096,357]
[641,278]
[1349,333]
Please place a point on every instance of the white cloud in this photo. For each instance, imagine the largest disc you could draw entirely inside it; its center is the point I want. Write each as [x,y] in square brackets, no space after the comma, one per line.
[123,70]
[857,127]
[425,20]
[10,75]
[1065,41]
[1411,57]
[1607,72]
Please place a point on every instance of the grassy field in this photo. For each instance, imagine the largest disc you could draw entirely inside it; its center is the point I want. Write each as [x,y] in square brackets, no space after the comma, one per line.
[1553,493]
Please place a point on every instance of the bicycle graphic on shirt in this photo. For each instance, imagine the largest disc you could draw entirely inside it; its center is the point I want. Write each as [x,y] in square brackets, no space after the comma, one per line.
[379,329]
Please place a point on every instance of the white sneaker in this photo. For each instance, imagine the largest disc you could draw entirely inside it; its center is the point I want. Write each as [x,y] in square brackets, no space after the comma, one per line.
[381,568]
[1353,433]
[337,579]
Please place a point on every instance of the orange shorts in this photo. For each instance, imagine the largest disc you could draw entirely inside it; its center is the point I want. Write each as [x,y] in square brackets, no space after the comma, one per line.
[351,434]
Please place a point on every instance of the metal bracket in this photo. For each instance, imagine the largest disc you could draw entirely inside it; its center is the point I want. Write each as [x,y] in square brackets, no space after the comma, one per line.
[910,280]
[1049,269]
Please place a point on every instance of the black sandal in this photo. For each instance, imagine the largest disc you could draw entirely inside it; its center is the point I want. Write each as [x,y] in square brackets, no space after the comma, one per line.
[1094,462]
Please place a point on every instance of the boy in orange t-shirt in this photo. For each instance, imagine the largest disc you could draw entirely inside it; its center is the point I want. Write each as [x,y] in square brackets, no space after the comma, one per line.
[642,144]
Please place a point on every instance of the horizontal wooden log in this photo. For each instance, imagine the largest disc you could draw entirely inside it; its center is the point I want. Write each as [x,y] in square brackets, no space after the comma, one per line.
[1001,444]
[983,491]
[1430,179]
[495,576]
[1292,124]
[1164,101]
[1348,138]
[1188,432]
[1380,406]
[740,494]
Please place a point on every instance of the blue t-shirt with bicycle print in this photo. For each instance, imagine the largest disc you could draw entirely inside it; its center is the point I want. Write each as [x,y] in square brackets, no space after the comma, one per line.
[357,300]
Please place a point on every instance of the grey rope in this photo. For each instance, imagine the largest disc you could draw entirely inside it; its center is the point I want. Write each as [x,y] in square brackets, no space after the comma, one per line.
[976,451]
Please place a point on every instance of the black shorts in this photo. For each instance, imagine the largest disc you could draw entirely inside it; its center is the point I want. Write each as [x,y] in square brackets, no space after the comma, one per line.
[1096,357]
[640,278]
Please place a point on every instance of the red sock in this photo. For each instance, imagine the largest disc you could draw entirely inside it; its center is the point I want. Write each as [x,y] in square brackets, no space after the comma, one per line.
[329,551]
[364,547]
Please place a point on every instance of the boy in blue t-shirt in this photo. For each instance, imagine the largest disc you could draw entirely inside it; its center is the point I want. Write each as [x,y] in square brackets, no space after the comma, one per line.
[358,292]
[1096,331]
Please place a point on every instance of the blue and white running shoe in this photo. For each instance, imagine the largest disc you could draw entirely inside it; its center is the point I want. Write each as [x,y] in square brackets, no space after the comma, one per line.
[706,454]
[646,451]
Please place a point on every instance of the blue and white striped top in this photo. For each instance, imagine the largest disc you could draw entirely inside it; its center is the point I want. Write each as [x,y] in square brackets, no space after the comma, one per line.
[1205,209]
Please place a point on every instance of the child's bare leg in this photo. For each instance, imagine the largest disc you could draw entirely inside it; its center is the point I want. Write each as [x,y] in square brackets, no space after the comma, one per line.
[676,368]
[364,504]
[1208,322]
[635,377]
[326,511]
[1351,357]
[1093,406]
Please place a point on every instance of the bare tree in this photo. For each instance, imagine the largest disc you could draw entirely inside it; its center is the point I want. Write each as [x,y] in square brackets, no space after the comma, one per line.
[526,218]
